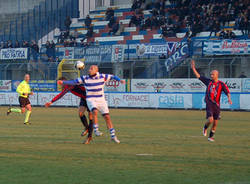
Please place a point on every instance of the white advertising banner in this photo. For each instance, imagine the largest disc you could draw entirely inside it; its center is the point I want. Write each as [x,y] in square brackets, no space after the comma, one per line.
[180,85]
[167,85]
[245,101]
[117,53]
[130,100]
[135,100]
[114,86]
[14,53]
[5,85]
[67,100]
[246,85]
[11,98]
[148,85]
[150,100]
[234,85]
[226,47]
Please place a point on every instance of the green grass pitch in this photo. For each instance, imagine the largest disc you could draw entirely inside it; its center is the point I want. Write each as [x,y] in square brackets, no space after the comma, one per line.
[157,146]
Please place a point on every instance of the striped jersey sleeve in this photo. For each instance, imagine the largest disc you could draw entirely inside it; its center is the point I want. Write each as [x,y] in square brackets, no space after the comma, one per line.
[225,89]
[80,80]
[107,77]
[77,81]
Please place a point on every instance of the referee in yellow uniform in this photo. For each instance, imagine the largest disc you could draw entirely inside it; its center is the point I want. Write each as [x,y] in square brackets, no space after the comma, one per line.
[24,91]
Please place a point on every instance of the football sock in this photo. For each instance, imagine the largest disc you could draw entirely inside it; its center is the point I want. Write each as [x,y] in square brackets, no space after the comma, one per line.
[84,121]
[96,127]
[15,110]
[90,128]
[211,133]
[112,132]
[205,126]
[27,116]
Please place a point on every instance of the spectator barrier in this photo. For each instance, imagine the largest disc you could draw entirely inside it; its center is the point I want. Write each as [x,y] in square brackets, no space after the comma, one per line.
[241,101]
[161,93]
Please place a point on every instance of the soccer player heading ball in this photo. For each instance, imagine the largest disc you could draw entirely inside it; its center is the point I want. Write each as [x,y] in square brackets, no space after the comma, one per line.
[213,94]
[94,84]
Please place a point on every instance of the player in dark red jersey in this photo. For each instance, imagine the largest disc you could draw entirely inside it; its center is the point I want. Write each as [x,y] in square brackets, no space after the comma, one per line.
[213,94]
[80,92]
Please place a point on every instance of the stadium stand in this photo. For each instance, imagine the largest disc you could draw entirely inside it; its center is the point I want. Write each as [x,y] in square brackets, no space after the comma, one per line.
[196,19]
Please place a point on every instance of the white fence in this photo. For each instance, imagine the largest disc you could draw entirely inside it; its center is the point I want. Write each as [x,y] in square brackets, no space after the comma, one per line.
[136,100]
[144,93]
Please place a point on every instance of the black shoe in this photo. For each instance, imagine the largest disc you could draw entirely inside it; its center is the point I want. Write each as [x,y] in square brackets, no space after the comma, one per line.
[84,132]
[27,123]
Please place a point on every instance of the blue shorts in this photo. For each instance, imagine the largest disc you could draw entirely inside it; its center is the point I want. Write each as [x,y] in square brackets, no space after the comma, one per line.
[213,110]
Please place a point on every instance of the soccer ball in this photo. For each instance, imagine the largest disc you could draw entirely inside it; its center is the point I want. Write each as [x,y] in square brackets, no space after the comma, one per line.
[79,65]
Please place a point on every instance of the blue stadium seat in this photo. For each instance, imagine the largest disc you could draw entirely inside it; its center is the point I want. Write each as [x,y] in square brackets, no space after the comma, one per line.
[157,41]
[108,43]
[133,41]
[143,32]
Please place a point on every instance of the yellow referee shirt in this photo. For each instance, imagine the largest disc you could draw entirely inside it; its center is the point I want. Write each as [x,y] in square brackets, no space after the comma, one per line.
[22,88]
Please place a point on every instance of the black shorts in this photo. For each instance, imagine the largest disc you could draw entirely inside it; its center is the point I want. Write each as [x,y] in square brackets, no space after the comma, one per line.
[83,103]
[213,110]
[23,101]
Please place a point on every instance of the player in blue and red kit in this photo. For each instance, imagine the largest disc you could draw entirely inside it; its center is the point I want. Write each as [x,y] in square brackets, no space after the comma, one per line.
[213,94]
[80,92]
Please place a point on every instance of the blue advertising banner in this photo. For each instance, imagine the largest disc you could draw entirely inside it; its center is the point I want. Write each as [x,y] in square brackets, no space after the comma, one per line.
[198,101]
[226,47]
[177,57]
[102,53]
[38,85]
[137,50]
[14,53]
[174,100]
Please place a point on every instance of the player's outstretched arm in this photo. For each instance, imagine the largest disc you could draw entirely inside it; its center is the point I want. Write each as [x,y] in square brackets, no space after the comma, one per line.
[48,104]
[194,69]
[57,97]
[114,77]
[229,99]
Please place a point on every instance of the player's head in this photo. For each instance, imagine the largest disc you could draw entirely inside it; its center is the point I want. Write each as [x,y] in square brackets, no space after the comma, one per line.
[93,70]
[214,74]
[27,77]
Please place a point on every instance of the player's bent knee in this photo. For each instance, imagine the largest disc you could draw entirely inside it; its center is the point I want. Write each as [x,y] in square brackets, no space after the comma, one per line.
[106,116]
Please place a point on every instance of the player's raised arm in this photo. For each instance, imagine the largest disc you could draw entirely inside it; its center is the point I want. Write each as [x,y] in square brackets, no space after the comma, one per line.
[194,69]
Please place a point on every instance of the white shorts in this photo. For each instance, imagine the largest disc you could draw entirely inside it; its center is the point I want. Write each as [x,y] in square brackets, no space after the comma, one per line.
[98,103]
